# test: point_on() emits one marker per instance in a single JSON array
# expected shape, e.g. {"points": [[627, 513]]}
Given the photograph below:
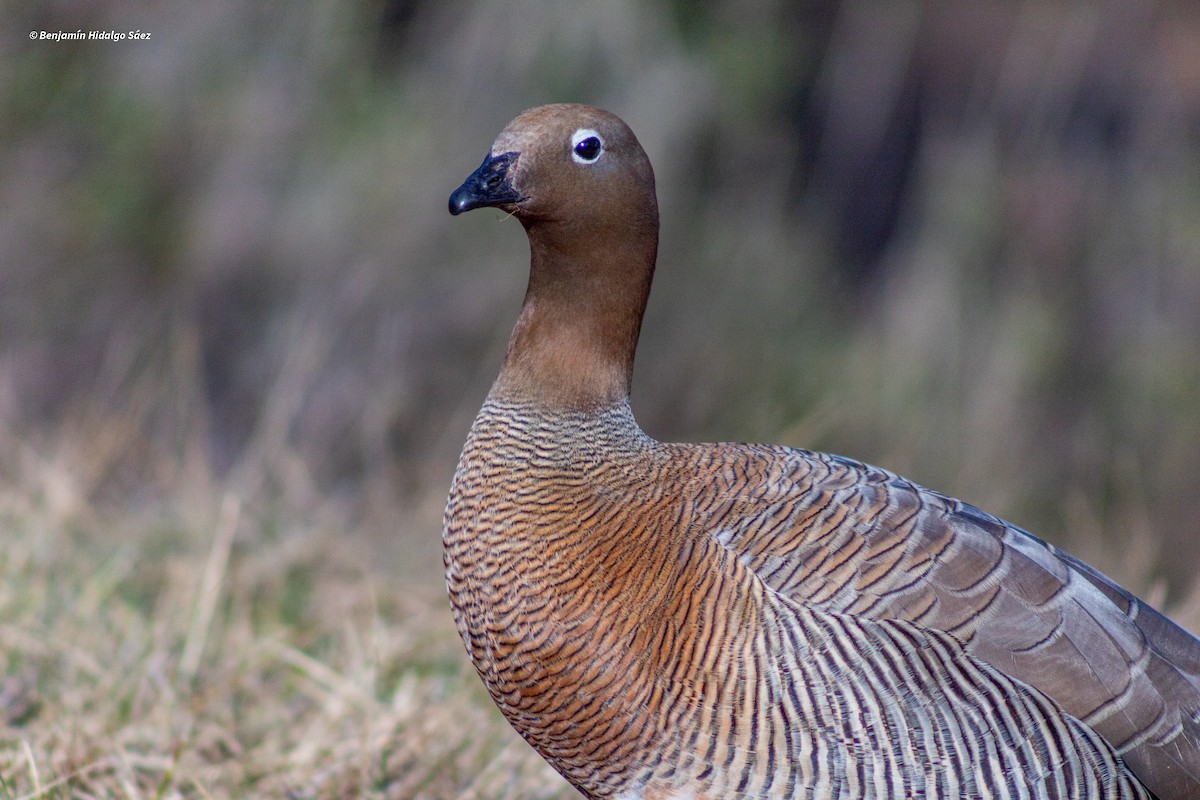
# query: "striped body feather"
{"points": [[712, 621]]}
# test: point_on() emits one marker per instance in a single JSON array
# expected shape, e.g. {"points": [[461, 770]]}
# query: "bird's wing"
{"points": [[838, 534]]}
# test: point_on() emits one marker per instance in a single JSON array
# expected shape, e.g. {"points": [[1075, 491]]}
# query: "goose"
{"points": [[665, 621]]}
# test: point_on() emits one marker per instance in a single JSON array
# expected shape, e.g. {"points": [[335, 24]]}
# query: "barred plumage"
{"points": [[711, 621]]}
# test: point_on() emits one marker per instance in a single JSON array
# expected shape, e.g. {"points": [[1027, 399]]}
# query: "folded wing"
{"points": [[840, 535]]}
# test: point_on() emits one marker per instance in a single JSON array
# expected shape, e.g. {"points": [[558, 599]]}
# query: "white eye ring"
{"points": [[586, 146]]}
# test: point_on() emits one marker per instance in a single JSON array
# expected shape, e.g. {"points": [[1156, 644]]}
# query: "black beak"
{"points": [[488, 186]]}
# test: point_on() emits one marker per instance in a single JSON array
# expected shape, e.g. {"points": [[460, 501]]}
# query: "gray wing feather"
{"points": [[840, 535]]}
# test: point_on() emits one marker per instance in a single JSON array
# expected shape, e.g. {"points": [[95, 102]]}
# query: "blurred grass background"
{"points": [[961, 241]]}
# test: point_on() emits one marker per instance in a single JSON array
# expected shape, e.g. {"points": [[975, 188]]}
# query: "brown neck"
{"points": [[574, 341]]}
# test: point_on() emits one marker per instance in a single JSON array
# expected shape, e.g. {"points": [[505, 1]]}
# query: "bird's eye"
{"points": [[586, 146], [589, 149]]}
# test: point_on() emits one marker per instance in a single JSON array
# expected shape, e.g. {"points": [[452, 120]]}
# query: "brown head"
{"points": [[581, 185]]}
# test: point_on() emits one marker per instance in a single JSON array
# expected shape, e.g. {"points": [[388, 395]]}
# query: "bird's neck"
{"points": [[574, 341]]}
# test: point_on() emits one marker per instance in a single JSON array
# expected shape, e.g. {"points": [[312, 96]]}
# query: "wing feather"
{"points": [[840, 535]]}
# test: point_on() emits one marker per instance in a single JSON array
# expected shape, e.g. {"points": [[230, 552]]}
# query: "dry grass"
{"points": [[219, 650], [215, 646]]}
